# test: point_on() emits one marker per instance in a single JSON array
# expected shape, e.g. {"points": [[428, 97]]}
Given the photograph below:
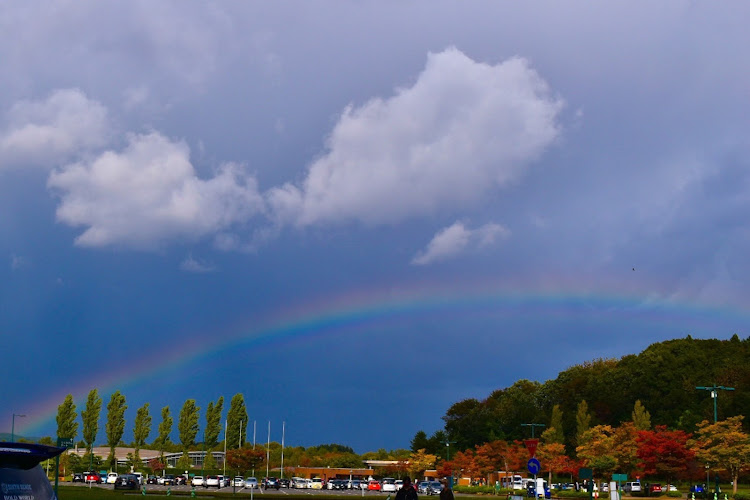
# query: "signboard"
{"points": [[65, 442], [534, 466], [531, 446], [584, 473], [620, 477]]}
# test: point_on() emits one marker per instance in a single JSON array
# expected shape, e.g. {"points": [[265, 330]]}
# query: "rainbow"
{"points": [[370, 309]]}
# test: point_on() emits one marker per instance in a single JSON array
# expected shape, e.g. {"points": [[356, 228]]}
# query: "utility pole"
{"points": [[532, 428], [715, 396]]}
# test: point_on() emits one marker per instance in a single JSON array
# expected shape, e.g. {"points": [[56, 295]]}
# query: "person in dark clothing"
{"points": [[407, 491], [446, 493]]}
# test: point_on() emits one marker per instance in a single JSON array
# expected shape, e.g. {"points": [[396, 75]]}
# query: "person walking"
{"points": [[407, 491], [446, 493]]}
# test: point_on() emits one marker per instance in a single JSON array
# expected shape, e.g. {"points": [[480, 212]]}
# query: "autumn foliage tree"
{"points": [[723, 445], [245, 459], [664, 453]]}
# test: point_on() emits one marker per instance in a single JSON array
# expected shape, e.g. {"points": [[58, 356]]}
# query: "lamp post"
{"points": [[715, 396], [448, 458], [13, 427], [532, 428]]}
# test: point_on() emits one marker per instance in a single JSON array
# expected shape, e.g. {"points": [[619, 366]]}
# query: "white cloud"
{"points": [[18, 262], [463, 128], [50, 132], [149, 193], [196, 266], [456, 239]]}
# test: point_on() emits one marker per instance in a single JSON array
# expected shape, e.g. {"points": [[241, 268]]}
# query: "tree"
{"points": [[209, 462], [641, 418], [664, 453], [236, 422], [597, 449], [213, 423], [156, 465], [67, 427], [554, 432], [625, 447], [420, 462], [583, 420], [419, 441], [187, 424], [165, 429], [245, 459], [723, 445], [553, 458], [115, 426], [90, 418], [141, 431]]}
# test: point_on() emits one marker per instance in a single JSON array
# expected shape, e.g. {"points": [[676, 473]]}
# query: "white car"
{"points": [[251, 482], [212, 481], [399, 484], [388, 485], [196, 481], [316, 483], [224, 481], [238, 482], [299, 482], [112, 478]]}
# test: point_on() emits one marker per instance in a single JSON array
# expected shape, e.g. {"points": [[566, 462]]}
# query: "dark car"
{"points": [[180, 480], [78, 477], [272, 482], [284, 483], [169, 479], [21, 476], [127, 482], [152, 480]]}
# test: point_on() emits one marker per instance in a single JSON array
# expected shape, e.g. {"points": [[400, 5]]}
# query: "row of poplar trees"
{"points": [[187, 424]]}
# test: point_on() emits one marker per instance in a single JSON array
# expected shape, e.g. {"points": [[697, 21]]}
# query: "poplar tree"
{"points": [[165, 429], [141, 430], [236, 422], [90, 418], [641, 417], [213, 423], [67, 427], [583, 420], [554, 433], [115, 424], [187, 425]]}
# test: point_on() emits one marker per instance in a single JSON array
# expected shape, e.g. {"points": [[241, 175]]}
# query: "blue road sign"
{"points": [[534, 466]]}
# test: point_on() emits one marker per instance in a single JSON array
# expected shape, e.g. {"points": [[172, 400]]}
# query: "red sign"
{"points": [[531, 445]]}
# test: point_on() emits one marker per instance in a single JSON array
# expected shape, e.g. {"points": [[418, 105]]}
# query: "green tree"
{"points": [[115, 426], [67, 427], [165, 429], [724, 445], [90, 418], [187, 425], [209, 463], [641, 417], [583, 420], [419, 442], [213, 423], [141, 431], [236, 422], [554, 432]]}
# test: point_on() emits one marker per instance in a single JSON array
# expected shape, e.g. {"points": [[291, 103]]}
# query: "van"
{"points": [[632, 487]]}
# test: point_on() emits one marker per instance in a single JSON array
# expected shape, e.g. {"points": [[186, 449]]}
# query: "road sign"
{"points": [[534, 466], [584, 473], [531, 446], [620, 477], [65, 442]]}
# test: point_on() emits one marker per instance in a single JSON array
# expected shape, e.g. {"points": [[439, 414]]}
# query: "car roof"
{"points": [[26, 455]]}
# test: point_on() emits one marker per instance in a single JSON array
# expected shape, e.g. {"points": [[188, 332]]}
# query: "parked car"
{"points": [[388, 485], [251, 482], [78, 477], [422, 487], [373, 485], [127, 482], [212, 481], [298, 482], [152, 480], [399, 484], [316, 483], [196, 481], [238, 482], [434, 487], [169, 480], [631, 487], [284, 482], [272, 482], [21, 474], [354, 485], [180, 479], [653, 489], [111, 477]]}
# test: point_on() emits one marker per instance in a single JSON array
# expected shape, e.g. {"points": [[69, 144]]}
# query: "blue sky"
{"points": [[359, 213]]}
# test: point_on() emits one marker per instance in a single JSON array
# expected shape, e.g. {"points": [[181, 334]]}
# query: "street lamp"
{"points": [[448, 458], [532, 428], [13, 427], [715, 396]]}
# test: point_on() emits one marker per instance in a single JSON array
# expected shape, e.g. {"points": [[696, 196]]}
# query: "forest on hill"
{"points": [[663, 378]]}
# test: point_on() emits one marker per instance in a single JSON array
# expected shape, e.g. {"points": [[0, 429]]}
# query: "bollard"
{"points": [[169, 491], [143, 490], [192, 492]]}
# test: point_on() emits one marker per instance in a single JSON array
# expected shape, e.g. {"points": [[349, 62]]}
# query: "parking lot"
{"points": [[152, 488]]}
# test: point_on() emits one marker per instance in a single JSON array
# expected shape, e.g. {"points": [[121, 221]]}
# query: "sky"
{"points": [[359, 213]]}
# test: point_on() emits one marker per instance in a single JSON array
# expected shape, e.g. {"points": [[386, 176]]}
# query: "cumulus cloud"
{"points": [[149, 193], [456, 239], [50, 132], [193, 265], [461, 129]]}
